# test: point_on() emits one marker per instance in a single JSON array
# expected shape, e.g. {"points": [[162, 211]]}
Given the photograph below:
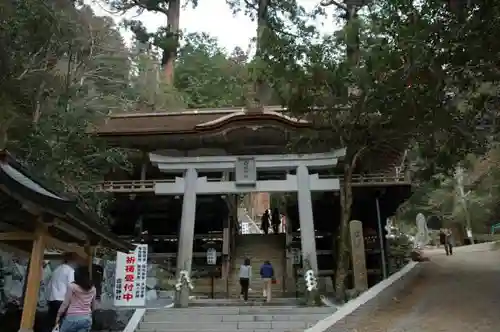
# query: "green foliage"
{"points": [[396, 75], [443, 198], [167, 37], [63, 69], [164, 38], [399, 251], [149, 90], [207, 76]]}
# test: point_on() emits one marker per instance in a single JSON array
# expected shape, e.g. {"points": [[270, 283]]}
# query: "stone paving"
{"points": [[459, 293], [233, 318]]}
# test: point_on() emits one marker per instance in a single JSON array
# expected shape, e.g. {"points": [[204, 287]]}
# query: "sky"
{"points": [[213, 17]]}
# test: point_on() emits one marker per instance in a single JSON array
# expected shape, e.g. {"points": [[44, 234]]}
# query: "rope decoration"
{"points": [[184, 279], [311, 282]]}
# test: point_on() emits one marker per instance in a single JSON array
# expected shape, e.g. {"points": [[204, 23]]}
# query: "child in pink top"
{"points": [[78, 304]]}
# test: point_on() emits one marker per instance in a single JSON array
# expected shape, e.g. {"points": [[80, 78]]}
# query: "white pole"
{"points": [[460, 183], [381, 240]]}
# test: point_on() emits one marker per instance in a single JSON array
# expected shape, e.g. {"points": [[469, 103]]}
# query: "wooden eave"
{"points": [[194, 122], [46, 206], [14, 180]]}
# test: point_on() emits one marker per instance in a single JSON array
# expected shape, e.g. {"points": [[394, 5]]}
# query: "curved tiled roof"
{"points": [[191, 121]]}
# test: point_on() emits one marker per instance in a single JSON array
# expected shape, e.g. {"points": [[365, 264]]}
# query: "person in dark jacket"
{"points": [[276, 220], [445, 238], [267, 275], [449, 241], [264, 222]]}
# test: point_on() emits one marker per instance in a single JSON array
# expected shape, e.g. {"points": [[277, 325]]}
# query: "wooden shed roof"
{"points": [[25, 200]]}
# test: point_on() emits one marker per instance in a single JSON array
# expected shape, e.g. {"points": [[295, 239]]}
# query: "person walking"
{"points": [[445, 238], [267, 275], [78, 305], [276, 220], [449, 242], [58, 285], [245, 278], [264, 222]]}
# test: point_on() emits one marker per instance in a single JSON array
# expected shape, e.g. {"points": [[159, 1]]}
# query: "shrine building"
{"points": [[194, 169]]}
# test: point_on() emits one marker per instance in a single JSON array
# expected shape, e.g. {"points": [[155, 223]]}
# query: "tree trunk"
{"points": [[260, 91], [3, 136], [5, 124], [37, 113], [169, 55], [342, 252], [342, 248]]}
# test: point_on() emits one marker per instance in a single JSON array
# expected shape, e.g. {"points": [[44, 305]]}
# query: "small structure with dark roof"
{"points": [[35, 220]]}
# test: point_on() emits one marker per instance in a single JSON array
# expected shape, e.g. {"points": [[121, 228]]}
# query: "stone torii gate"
{"points": [[246, 168]]}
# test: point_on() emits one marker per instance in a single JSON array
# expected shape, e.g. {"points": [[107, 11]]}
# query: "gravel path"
{"points": [[459, 293]]}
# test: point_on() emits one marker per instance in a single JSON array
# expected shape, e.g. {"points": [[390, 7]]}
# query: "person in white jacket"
{"points": [[245, 278], [58, 285]]}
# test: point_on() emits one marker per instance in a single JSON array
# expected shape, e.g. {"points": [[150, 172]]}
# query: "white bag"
{"points": [[56, 329], [264, 294]]}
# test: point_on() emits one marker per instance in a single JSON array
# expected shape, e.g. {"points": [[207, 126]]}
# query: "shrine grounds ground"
{"points": [[459, 293]]}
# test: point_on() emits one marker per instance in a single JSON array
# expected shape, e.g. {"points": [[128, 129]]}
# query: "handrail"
{"points": [[364, 176], [143, 186]]}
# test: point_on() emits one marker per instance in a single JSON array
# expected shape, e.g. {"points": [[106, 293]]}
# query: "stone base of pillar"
{"points": [[290, 286], [182, 298], [325, 285], [290, 282]]}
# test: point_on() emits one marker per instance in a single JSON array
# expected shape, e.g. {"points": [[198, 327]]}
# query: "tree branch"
{"points": [[326, 3]]}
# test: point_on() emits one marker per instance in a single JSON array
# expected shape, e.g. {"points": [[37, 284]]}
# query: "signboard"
{"points": [[246, 171], [245, 228], [211, 256], [130, 277], [297, 256]]}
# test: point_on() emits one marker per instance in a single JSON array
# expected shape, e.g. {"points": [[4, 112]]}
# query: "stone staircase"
{"points": [[258, 247], [231, 319]]}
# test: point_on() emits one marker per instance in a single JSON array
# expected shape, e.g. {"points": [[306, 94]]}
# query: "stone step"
{"points": [[255, 263], [256, 291], [269, 251], [258, 248], [276, 301], [194, 324], [198, 324], [167, 329], [256, 283], [255, 310], [185, 318], [257, 258]]}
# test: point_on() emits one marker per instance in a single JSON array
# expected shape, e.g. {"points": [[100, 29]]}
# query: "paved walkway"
{"points": [[459, 293]]}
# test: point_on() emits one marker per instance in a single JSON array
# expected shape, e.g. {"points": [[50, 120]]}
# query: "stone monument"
{"points": [[422, 237], [358, 256]]}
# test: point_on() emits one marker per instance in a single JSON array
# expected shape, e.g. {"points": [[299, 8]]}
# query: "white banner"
{"points": [[130, 277]]}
